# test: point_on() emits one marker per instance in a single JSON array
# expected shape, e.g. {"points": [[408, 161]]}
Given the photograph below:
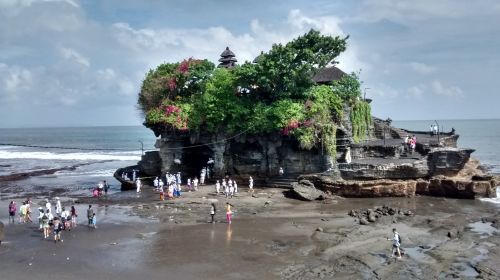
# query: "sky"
{"points": [[81, 63]]}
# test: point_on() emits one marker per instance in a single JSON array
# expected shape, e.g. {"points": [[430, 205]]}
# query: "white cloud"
{"points": [[15, 78], [75, 56], [450, 91], [421, 68]]}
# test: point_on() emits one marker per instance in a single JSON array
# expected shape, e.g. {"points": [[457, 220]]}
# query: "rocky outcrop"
{"points": [[377, 170], [470, 183], [447, 161], [457, 187], [305, 190]]}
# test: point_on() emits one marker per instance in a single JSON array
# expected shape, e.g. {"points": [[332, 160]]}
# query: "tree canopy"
{"points": [[276, 93]]}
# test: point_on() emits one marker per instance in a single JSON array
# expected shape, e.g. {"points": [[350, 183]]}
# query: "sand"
{"points": [[272, 237]]}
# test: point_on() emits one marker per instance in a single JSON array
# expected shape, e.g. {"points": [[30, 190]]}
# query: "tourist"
{"points": [[217, 187], [160, 184], [162, 194], [431, 130], [51, 218], [90, 215], [12, 212], [171, 190], [281, 171], [66, 219], [229, 213], [40, 215], [231, 188], [436, 130], [202, 176], [58, 227], [100, 188], [27, 212], [226, 188], [212, 212], [45, 224], [94, 221], [73, 217], [195, 183], [189, 184], [156, 184], [138, 184], [250, 184], [106, 187], [58, 207], [134, 175], [22, 213], [396, 243]]}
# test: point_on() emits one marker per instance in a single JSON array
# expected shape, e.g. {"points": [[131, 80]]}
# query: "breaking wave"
{"points": [[119, 156]]}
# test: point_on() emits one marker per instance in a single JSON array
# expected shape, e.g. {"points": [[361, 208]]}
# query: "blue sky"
{"points": [[73, 63]]}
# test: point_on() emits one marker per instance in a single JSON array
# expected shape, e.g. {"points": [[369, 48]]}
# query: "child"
{"points": [[58, 227], [229, 212], [212, 213], [45, 224], [94, 221]]}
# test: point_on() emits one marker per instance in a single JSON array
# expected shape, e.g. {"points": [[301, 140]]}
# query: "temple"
{"points": [[227, 59]]}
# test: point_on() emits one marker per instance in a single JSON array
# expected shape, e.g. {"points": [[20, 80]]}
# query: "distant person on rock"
{"points": [[396, 243], [281, 171], [138, 185]]}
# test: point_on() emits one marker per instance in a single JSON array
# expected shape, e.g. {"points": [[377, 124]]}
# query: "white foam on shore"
{"points": [[128, 156], [91, 173], [493, 200]]}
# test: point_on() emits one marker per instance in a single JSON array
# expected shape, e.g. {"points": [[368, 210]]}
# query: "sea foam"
{"points": [[128, 156]]}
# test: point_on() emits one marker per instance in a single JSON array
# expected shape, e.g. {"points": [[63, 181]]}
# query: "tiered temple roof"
{"points": [[227, 59]]}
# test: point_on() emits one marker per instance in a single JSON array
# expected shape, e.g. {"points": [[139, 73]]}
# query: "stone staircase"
{"points": [[281, 181]]}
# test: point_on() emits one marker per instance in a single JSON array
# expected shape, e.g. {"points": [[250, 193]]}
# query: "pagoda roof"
{"points": [[228, 59], [227, 53], [258, 58], [328, 74]]}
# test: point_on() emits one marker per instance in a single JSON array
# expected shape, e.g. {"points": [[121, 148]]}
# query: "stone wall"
{"points": [[258, 155]]}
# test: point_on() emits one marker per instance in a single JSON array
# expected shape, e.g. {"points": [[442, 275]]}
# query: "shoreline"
{"points": [[272, 237]]}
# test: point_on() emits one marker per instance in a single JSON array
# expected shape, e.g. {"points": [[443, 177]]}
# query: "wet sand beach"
{"points": [[272, 237]]}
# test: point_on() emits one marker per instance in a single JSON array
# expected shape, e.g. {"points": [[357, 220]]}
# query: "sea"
{"points": [[96, 152]]}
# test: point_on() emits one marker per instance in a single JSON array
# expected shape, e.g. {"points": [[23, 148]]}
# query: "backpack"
{"points": [[399, 239]]}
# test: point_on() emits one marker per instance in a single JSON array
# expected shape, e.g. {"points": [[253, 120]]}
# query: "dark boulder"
{"points": [[305, 190]]}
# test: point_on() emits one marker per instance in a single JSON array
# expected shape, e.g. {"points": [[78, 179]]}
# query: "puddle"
{"points": [[482, 228], [419, 254]]}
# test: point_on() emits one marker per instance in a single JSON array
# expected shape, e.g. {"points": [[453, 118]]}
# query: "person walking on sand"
{"points": [[106, 187], [156, 184], [73, 216], [217, 187], [58, 207], [396, 243], [58, 227], [40, 215], [45, 224], [229, 213], [90, 215], [195, 183], [22, 213], [250, 184], [212, 212], [94, 221], [138, 184], [12, 212], [235, 186]]}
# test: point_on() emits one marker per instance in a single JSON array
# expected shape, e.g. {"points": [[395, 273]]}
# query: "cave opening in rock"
{"points": [[194, 159]]}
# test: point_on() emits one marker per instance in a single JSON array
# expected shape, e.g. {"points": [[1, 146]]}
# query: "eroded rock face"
{"points": [[471, 186], [447, 161], [369, 188], [305, 190]]}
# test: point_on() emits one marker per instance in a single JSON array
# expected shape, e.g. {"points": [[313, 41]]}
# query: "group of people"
{"points": [[126, 175], [434, 129], [102, 187], [56, 218], [410, 143], [229, 212]]}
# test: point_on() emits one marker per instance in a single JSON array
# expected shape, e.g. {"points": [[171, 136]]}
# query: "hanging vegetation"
{"points": [[275, 94]]}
